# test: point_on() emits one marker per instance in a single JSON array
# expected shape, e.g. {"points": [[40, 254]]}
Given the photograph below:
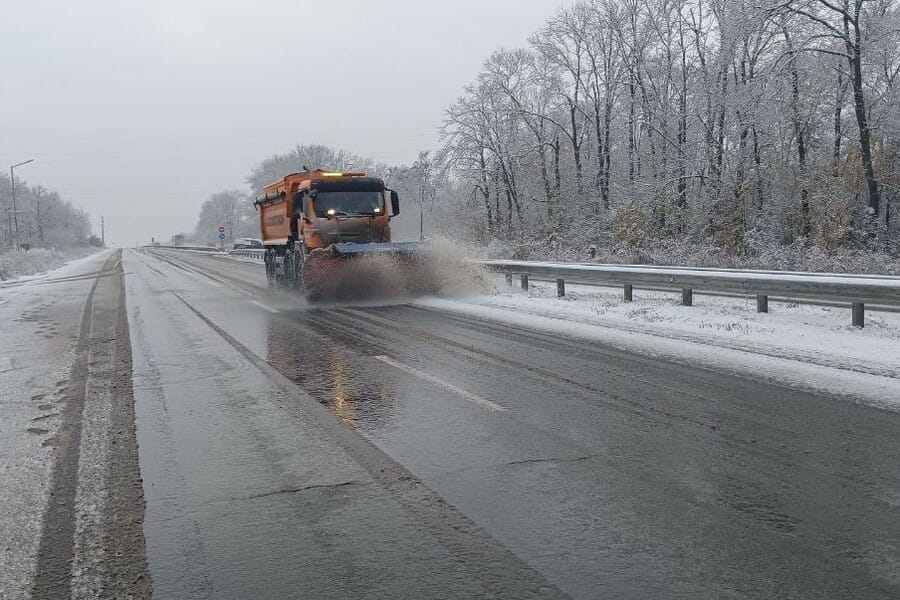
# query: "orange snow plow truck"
{"points": [[315, 223]]}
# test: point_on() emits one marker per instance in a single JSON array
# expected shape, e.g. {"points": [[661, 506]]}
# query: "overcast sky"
{"points": [[140, 110]]}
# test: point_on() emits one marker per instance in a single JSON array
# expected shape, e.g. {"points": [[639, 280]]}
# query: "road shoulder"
{"points": [[92, 543]]}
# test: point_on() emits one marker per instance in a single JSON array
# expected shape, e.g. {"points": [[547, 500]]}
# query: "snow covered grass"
{"points": [[22, 264], [796, 343], [821, 333]]}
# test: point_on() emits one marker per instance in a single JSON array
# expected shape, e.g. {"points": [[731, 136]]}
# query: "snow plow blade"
{"points": [[349, 271], [397, 249]]}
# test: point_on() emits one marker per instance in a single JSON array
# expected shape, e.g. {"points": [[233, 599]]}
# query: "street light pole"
{"points": [[15, 210]]}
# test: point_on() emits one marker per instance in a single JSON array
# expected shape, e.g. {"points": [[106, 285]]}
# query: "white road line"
{"points": [[212, 283], [474, 398], [370, 317], [264, 306]]}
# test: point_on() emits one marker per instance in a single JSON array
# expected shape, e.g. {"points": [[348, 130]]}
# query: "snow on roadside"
{"points": [[41, 319], [811, 346], [21, 265]]}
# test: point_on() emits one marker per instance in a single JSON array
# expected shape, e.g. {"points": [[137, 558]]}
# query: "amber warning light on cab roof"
{"points": [[341, 174]]}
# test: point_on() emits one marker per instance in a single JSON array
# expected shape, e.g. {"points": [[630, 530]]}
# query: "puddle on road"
{"points": [[345, 381]]}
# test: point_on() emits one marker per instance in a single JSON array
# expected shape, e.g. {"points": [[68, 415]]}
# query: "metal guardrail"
{"points": [[181, 247], [857, 290], [251, 252], [257, 253]]}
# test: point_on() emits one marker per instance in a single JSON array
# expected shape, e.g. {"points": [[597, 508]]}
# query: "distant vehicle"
{"points": [[247, 244]]}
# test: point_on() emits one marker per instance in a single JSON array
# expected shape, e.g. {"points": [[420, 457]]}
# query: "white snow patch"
{"points": [[811, 347], [41, 319], [18, 267]]}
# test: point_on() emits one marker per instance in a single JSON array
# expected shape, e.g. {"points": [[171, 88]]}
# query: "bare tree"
{"points": [[845, 21]]}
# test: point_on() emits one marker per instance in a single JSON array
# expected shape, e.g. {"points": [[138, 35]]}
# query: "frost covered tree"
{"points": [[736, 124], [312, 156], [45, 220], [847, 29], [229, 209]]}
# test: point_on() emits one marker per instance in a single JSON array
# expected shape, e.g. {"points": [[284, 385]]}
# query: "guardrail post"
{"points": [[560, 288], [687, 297], [762, 303], [859, 314], [523, 280], [508, 278], [629, 292]]}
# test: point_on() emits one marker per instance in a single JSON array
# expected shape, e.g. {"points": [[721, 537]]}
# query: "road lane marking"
{"points": [[474, 398], [264, 306], [368, 316]]}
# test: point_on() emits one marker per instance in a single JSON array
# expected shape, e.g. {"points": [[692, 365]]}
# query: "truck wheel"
{"points": [[270, 269], [310, 292], [309, 286], [290, 271]]}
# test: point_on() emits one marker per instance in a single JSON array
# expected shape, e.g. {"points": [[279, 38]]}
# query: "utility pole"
{"points": [[15, 211], [15, 216], [102, 231]]}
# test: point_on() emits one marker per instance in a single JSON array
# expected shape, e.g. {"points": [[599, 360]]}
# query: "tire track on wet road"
{"points": [[107, 360]]}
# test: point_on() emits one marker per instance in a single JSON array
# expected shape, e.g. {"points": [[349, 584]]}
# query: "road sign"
{"points": [[222, 236], [221, 230]]}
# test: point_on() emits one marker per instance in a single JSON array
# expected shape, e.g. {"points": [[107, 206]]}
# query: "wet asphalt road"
{"points": [[606, 473]]}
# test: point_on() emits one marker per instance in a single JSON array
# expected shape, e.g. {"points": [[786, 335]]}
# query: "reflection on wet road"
{"points": [[331, 374], [611, 474]]}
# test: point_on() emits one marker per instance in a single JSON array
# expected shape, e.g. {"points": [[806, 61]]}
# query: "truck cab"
{"points": [[321, 208], [323, 212]]}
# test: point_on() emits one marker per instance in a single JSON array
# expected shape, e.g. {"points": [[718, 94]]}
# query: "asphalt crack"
{"points": [[296, 490], [552, 459]]}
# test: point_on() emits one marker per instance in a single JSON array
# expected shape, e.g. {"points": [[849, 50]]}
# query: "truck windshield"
{"points": [[351, 203]]}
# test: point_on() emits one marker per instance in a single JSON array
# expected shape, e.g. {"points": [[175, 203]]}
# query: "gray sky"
{"points": [[138, 110]]}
